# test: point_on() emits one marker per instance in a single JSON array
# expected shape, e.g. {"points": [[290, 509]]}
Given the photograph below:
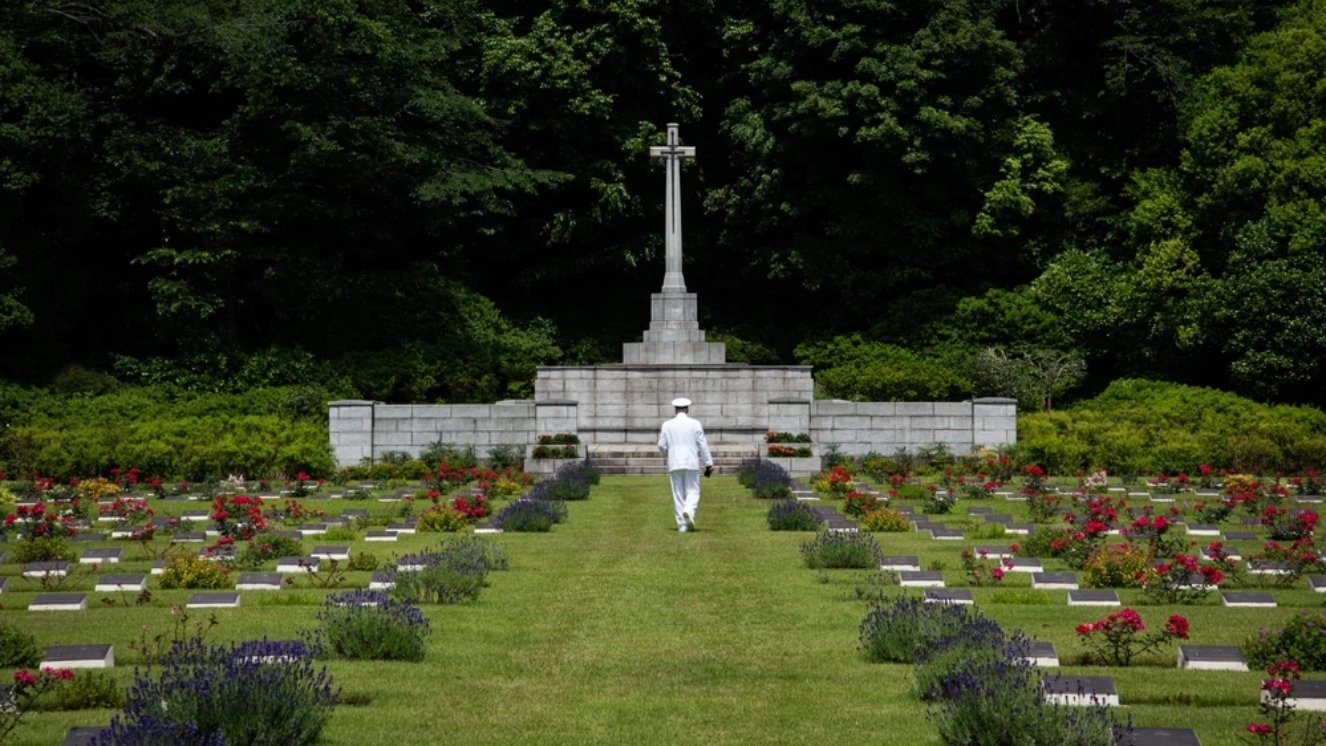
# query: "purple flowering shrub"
{"points": [[453, 573], [530, 515], [369, 625], [765, 479], [1302, 639], [244, 693], [792, 515], [842, 549]]}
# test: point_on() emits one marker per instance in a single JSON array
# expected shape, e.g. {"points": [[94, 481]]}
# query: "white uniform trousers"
{"points": [[685, 493]]}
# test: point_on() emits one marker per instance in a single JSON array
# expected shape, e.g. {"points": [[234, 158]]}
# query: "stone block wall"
{"points": [[365, 429], [885, 427], [628, 403]]}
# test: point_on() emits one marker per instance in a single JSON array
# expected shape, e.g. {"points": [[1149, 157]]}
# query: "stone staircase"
{"points": [[632, 458]]}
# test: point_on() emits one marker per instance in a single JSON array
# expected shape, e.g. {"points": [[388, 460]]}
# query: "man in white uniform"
{"points": [[682, 439]]}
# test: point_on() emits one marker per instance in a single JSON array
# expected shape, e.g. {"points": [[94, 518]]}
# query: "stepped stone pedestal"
{"points": [[674, 335]]}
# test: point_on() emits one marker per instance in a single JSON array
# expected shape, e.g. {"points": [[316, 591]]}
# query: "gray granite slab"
{"points": [[1212, 658], [1255, 599], [1240, 536], [921, 579], [58, 602], [1124, 736], [213, 601], [89, 538], [1080, 690], [1054, 581], [948, 595], [123, 582], [82, 735], [1093, 598], [96, 556], [899, 563], [260, 581], [79, 656]]}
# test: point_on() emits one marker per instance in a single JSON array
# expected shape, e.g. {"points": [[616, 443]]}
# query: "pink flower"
{"points": [[23, 678], [1261, 729]]}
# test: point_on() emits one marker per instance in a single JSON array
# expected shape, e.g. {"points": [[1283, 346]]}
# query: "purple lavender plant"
{"points": [[530, 515], [791, 515], [369, 625], [195, 695], [841, 549], [453, 573]]}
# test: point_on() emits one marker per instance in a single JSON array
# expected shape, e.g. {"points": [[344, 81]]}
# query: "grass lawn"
{"points": [[615, 629]]}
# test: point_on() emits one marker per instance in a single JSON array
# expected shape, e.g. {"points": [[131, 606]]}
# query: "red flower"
{"points": [[1277, 687], [998, 573], [1085, 629], [1014, 547], [1261, 729], [23, 678], [1177, 626]]}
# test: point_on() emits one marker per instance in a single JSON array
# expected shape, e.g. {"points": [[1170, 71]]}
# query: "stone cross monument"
{"points": [[674, 334], [672, 153]]}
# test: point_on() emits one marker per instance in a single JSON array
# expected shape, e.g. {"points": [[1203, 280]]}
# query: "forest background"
{"points": [[421, 200]]}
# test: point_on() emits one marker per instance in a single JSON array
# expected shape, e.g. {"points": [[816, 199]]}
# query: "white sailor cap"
{"points": [[682, 402]]}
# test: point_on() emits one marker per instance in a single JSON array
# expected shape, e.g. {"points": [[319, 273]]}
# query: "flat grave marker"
{"points": [[218, 554], [993, 550], [1024, 564], [921, 579], [902, 563], [313, 529], [1247, 599], [401, 528], [125, 582], [1317, 583], [1268, 568], [1054, 581], [485, 528], [380, 536], [98, 556], [187, 537], [1212, 658], [1093, 598], [354, 513], [338, 553], [1155, 736], [260, 581], [1240, 536], [90, 537], [82, 735], [59, 602], [1203, 529], [382, 581], [297, 564], [1021, 529], [946, 534], [1043, 654], [57, 569], [1304, 694], [949, 596], [1080, 690], [213, 601], [79, 656]]}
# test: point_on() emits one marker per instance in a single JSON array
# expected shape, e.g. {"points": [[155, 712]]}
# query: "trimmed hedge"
{"points": [[173, 436], [1148, 427]]}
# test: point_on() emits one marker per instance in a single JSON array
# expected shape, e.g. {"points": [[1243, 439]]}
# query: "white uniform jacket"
{"points": [[682, 439]]}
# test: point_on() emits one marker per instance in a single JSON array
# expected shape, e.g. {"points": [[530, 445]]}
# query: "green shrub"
{"points": [[17, 648], [1149, 427], [339, 533], [885, 520], [89, 690], [195, 573], [1300, 640], [165, 434], [1116, 566], [362, 562], [442, 518], [841, 549], [265, 547], [453, 573], [849, 367], [450, 454], [43, 549], [792, 515]]}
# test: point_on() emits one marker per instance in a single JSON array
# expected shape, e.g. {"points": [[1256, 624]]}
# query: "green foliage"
{"points": [[442, 519], [89, 690], [455, 456], [1148, 427], [367, 625], [186, 436], [43, 549], [265, 547], [195, 573], [886, 520], [1300, 640], [852, 368], [1116, 566], [17, 648]]}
